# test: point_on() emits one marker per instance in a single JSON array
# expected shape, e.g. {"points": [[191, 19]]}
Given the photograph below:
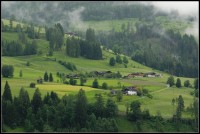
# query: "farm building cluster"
{"points": [[127, 91], [140, 74]]}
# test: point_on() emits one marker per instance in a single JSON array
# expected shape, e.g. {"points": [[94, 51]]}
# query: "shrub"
{"points": [[7, 71], [105, 85], [27, 63], [32, 85]]}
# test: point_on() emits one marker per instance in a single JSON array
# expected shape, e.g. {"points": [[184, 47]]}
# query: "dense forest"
{"points": [[94, 10], [166, 51], [73, 113]]}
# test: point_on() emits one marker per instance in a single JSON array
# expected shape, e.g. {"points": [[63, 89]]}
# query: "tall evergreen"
{"points": [[81, 108], [112, 61], [7, 93], [170, 81], [118, 59], [178, 83], [46, 78], [95, 83], [99, 106], [50, 77], [36, 101]]}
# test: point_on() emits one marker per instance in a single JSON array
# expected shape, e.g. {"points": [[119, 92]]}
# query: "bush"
{"points": [[66, 82], [32, 85], [95, 84], [150, 96], [27, 63], [105, 85], [7, 71]]}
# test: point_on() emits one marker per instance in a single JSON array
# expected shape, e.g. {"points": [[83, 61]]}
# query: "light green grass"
{"points": [[7, 22]]}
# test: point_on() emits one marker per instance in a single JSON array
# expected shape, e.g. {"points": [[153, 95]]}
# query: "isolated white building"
{"points": [[132, 93]]}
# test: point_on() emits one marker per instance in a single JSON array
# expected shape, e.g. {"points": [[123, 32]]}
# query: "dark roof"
{"points": [[150, 73], [129, 89]]}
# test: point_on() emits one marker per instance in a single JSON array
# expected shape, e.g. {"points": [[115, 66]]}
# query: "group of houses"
{"points": [[140, 74], [127, 91]]}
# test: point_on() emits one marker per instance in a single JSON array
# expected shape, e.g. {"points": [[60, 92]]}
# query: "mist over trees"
{"points": [[170, 52]]}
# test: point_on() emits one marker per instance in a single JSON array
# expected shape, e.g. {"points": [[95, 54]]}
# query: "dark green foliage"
{"points": [[12, 48], [81, 109], [32, 85], [111, 108], [170, 81], [55, 36], [8, 113], [31, 49], [68, 65], [180, 107], [119, 95], [178, 83], [113, 75], [31, 32], [22, 105], [125, 60], [95, 84], [73, 47], [187, 83], [27, 63], [118, 59], [90, 35], [22, 37], [82, 80], [135, 111], [7, 71], [20, 73], [88, 48], [46, 77], [112, 61], [99, 107], [104, 85], [178, 116], [180, 59], [72, 81], [91, 50], [196, 83], [50, 77], [7, 96], [36, 102]]}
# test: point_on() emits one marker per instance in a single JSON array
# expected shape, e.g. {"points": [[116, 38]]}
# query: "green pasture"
{"points": [[7, 22]]}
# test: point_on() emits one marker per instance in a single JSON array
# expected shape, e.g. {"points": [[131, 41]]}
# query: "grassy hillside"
{"points": [[165, 22], [40, 63], [162, 96]]}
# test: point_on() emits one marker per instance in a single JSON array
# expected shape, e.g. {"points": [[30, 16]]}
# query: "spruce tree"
{"points": [[112, 61], [178, 83], [118, 59], [170, 81], [36, 101], [95, 84], [50, 77], [81, 108], [125, 60], [7, 93], [46, 76]]}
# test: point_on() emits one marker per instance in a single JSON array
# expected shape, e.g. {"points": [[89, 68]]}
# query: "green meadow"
{"points": [[162, 95]]}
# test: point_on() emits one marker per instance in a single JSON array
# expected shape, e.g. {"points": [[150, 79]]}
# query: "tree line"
{"points": [[167, 51], [71, 113], [88, 48]]}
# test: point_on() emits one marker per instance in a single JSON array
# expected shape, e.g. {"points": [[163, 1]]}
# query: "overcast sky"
{"points": [[184, 7]]}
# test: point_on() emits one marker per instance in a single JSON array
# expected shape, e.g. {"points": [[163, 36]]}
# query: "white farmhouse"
{"points": [[132, 93]]}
